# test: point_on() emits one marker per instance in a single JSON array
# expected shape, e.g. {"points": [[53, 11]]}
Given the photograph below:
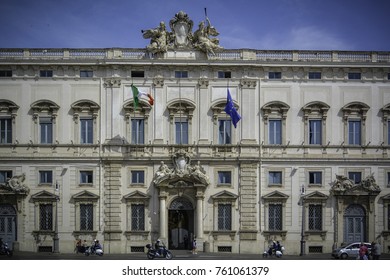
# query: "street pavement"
{"points": [[178, 255]]}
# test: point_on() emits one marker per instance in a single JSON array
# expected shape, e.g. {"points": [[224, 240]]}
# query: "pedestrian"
{"points": [[375, 250], [363, 251], [194, 252]]}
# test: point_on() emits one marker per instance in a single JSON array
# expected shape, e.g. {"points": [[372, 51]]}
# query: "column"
{"points": [[163, 222], [199, 214]]}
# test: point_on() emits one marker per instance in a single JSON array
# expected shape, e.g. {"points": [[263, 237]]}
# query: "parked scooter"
{"points": [[94, 249], [5, 250], [152, 253]]}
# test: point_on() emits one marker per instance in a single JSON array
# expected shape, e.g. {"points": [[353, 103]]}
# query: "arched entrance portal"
{"points": [[180, 224], [354, 223]]}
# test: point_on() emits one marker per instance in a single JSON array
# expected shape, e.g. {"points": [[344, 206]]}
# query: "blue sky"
{"points": [[361, 25]]}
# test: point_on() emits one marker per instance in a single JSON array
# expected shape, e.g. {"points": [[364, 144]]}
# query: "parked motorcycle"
{"points": [[94, 250], [152, 253], [5, 250]]}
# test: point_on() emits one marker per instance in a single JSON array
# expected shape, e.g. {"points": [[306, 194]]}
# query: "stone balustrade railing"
{"points": [[240, 54]]}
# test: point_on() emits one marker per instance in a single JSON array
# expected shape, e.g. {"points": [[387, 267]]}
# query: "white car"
{"points": [[349, 251]]}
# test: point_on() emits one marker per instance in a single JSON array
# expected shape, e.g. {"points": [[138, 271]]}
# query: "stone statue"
{"points": [[342, 183], [16, 184], [369, 183], [202, 40], [199, 173], [181, 36], [162, 173], [159, 38]]}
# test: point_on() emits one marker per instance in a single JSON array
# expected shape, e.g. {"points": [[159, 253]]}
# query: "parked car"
{"points": [[349, 251]]}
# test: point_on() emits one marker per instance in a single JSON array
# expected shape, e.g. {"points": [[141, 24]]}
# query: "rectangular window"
{"points": [[315, 132], [275, 178], [355, 177], [86, 217], [388, 179], [137, 217], [388, 132], [275, 217], [224, 132], [314, 75], [45, 177], [137, 177], [137, 74], [137, 131], [46, 216], [224, 177], [5, 175], [354, 76], [5, 131], [181, 74], [86, 73], [315, 217], [274, 75], [224, 216], [181, 129], [46, 73], [354, 132], [224, 74], [275, 132], [5, 73], [86, 177], [46, 130], [315, 178], [86, 131]]}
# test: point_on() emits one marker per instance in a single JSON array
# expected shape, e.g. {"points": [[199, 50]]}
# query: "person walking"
{"points": [[363, 251], [375, 250], [194, 252]]}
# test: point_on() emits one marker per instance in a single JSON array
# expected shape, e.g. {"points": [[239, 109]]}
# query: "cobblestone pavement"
{"points": [[179, 255]]}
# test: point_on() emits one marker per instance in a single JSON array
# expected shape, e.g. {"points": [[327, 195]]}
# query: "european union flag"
{"points": [[231, 110]]}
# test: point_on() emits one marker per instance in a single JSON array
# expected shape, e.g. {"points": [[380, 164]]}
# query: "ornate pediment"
{"points": [[44, 196], [345, 186], [16, 185], [136, 196], [85, 196], [315, 196], [183, 174], [224, 196], [181, 36], [275, 196]]}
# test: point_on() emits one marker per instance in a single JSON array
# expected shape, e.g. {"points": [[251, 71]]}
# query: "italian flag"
{"points": [[139, 94]]}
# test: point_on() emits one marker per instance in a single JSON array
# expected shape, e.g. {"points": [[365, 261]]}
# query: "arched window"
{"points": [[354, 116], [274, 117], [180, 116], [45, 121], [85, 113], [137, 121], [315, 114]]}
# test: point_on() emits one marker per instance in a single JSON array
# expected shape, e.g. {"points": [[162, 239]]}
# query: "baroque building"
{"points": [[82, 157]]}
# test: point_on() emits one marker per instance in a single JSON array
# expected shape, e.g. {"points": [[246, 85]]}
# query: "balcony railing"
{"points": [[226, 55]]}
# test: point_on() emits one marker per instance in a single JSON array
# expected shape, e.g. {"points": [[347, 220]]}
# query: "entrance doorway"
{"points": [[8, 224], [180, 224], [354, 224]]}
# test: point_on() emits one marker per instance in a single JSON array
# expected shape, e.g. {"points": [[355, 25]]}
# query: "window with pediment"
{"points": [[8, 114], [86, 219], [354, 117], [136, 206], [275, 211], [274, 117], [180, 117], [45, 205], [386, 124], [314, 210], [85, 117], [45, 118], [315, 114], [224, 133], [224, 221], [137, 122]]}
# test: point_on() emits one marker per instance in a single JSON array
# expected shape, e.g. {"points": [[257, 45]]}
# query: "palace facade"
{"points": [[307, 164]]}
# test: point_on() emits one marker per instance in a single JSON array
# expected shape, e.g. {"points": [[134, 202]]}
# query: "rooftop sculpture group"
{"points": [[181, 36]]}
